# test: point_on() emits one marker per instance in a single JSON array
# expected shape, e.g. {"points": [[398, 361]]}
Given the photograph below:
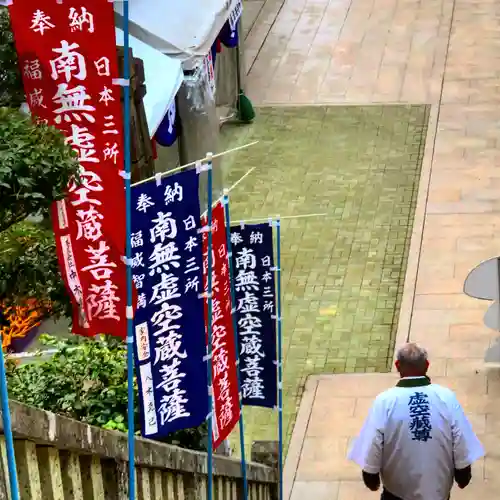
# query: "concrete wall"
{"points": [[59, 458]]}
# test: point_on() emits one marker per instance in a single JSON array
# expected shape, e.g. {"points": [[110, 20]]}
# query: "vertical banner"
{"points": [[224, 375], [254, 284], [169, 320], [68, 61]]}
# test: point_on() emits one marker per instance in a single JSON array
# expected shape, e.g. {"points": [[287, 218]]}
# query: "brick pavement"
{"points": [[441, 52], [342, 272], [358, 51]]}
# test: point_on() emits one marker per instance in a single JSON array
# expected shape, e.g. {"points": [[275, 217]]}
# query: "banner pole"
{"points": [[128, 252], [236, 343], [279, 321], [7, 429], [211, 415]]}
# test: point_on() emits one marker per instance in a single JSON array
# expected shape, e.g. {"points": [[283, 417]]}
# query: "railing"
{"points": [[59, 458]]}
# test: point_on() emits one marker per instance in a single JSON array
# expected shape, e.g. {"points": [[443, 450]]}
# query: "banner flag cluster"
{"points": [[169, 265]]}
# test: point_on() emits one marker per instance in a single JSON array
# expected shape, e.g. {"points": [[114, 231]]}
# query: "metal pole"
{"points": [[7, 430], [128, 252], [209, 330], [236, 343], [279, 356]]}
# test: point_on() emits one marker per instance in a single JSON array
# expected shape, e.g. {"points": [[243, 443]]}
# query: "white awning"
{"points": [[185, 29], [163, 78]]}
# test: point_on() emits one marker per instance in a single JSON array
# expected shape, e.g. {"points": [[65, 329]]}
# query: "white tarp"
{"points": [[163, 78], [185, 29]]}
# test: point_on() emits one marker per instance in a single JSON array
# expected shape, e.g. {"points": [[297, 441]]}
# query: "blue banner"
{"points": [[254, 283], [229, 33], [169, 324], [166, 134]]}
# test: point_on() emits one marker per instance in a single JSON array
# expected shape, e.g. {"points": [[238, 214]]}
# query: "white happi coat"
{"points": [[415, 437]]}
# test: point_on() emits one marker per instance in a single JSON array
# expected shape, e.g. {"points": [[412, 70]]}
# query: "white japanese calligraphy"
{"points": [[189, 223], [106, 96], [252, 386], [191, 243], [70, 63], [41, 22], [111, 152], [163, 256], [138, 280], [173, 406], [164, 227], [173, 194], [88, 224], [138, 260], [102, 301], [246, 281], [32, 70], [79, 19], [142, 301], [89, 182], [72, 104], [166, 290], [144, 202], [109, 124], [36, 98], [102, 67], [82, 141], [136, 239], [248, 303], [192, 284], [169, 347], [246, 259], [164, 318], [256, 237], [100, 267]]}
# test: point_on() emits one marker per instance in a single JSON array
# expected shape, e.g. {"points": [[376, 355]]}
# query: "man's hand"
{"points": [[463, 477], [372, 481]]}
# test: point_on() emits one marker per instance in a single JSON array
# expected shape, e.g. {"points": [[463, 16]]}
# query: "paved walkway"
{"points": [[441, 52], [343, 270]]}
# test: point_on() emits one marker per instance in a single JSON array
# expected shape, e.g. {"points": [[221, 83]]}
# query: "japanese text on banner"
{"points": [[169, 321], [224, 374], [254, 282], [68, 60]]}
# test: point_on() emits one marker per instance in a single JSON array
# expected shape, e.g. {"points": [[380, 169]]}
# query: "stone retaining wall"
{"points": [[59, 458]]}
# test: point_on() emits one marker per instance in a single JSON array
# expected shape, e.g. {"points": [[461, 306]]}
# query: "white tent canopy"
{"points": [[185, 29], [163, 78]]}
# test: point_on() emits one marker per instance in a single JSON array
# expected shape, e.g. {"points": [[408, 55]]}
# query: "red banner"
{"points": [[224, 375], [68, 59]]}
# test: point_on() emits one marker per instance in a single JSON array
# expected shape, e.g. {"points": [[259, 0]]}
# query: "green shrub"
{"points": [[85, 380]]}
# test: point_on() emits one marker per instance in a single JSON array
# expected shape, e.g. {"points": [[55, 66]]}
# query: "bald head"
{"points": [[411, 361]]}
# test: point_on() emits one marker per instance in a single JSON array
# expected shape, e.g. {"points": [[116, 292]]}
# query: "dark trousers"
{"points": [[389, 496]]}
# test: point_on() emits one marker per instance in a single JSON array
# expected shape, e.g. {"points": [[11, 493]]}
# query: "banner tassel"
{"points": [[280, 356], [209, 330], [236, 344]]}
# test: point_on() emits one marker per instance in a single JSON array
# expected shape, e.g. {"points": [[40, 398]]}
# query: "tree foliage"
{"points": [[86, 380], [29, 269], [11, 88], [35, 167]]}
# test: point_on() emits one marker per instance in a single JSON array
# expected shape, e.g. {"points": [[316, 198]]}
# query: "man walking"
{"points": [[416, 439]]}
